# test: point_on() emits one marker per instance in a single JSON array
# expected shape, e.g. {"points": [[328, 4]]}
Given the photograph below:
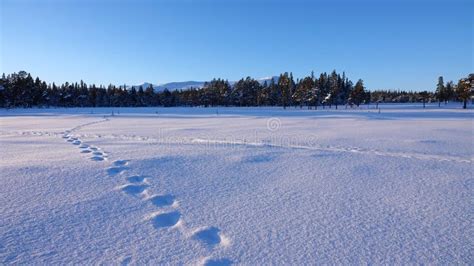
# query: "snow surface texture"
{"points": [[228, 186]]}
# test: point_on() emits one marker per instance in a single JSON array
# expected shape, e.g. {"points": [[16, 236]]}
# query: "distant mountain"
{"points": [[268, 79], [184, 85]]}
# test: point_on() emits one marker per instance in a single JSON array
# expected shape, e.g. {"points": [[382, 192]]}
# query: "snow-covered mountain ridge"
{"points": [[184, 85]]}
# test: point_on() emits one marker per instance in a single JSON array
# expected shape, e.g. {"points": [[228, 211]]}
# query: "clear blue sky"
{"points": [[389, 44]]}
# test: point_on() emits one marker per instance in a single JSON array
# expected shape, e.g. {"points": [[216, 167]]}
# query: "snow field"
{"points": [[199, 188], [137, 186]]}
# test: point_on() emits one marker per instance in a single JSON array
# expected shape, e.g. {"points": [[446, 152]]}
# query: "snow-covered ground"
{"points": [[247, 186]]}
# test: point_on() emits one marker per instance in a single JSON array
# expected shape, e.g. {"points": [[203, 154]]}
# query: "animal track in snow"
{"points": [[138, 186], [136, 179], [217, 262], [167, 219], [115, 170], [121, 162], [210, 236], [162, 200], [134, 188], [97, 158], [126, 261], [263, 158]]}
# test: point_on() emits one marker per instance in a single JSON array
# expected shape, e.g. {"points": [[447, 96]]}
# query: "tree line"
{"points": [[326, 90], [462, 91]]}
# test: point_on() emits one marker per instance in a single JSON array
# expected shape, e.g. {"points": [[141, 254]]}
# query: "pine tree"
{"points": [[140, 97], [424, 95], [303, 93], [247, 91], [323, 86], [299, 96], [149, 96], [93, 94], [357, 94], [440, 91], [284, 86], [449, 92], [166, 99], [3, 97], [313, 92], [464, 91], [37, 93], [132, 98], [264, 94], [274, 93], [334, 89], [291, 89]]}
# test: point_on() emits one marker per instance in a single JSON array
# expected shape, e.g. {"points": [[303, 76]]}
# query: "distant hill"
{"points": [[184, 85]]}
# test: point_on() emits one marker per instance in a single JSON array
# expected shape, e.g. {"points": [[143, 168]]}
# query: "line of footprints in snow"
{"points": [[138, 186]]}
